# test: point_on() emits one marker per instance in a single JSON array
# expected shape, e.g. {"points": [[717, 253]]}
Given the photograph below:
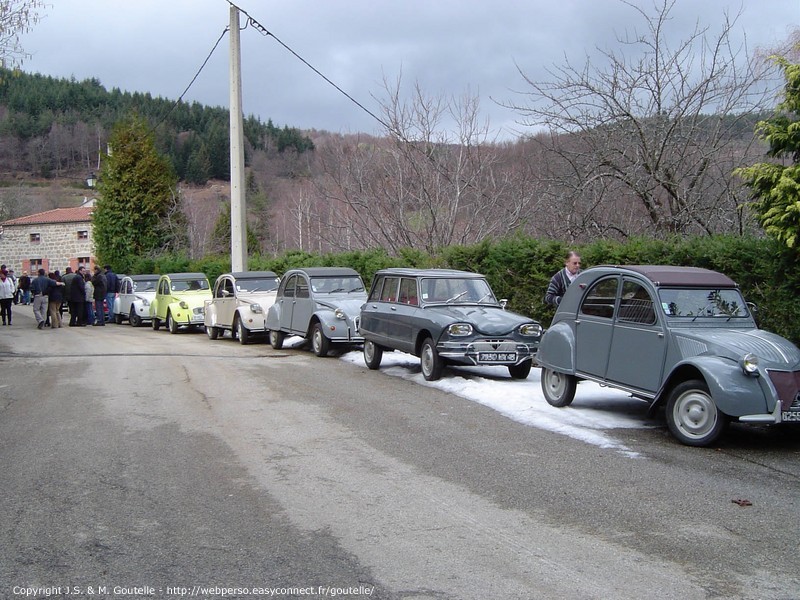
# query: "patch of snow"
{"points": [[595, 408]]}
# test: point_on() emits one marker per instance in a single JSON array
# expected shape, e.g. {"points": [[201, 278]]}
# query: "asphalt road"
{"points": [[142, 464]]}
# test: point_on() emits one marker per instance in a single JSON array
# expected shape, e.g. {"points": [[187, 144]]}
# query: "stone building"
{"points": [[50, 240]]}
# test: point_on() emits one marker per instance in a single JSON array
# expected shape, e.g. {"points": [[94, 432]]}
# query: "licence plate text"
{"points": [[497, 357], [790, 415]]}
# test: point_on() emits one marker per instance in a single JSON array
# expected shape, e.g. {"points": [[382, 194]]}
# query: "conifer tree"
{"points": [[137, 205], [775, 185]]}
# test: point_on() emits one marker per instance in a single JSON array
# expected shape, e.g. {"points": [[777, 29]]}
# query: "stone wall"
{"points": [[59, 245]]}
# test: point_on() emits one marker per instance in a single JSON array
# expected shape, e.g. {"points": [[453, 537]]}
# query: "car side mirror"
{"points": [[752, 307], [503, 303]]}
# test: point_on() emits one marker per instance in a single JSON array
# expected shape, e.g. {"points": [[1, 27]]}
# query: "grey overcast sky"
{"points": [[449, 47]]}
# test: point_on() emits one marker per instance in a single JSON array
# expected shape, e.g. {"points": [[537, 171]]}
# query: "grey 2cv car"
{"points": [[318, 303], [445, 316], [679, 337]]}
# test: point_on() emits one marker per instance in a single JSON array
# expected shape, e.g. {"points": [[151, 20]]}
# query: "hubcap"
{"points": [[427, 360], [369, 350], [695, 414], [555, 384], [317, 340]]}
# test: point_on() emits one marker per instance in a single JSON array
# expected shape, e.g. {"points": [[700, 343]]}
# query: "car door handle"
{"points": [[393, 308]]}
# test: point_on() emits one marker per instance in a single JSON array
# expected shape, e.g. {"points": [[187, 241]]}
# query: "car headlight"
{"points": [[183, 304], [339, 314], [256, 308], [530, 329], [460, 329], [749, 364], [145, 302]]}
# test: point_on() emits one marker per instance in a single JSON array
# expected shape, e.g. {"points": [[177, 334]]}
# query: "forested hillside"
{"points": [[55, 127]]}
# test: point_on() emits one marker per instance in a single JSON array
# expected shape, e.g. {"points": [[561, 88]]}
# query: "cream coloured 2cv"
{"points": [[239, 304]]}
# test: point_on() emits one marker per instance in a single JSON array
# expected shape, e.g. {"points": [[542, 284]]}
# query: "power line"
{"points": [[266, 33], [196, 75]]}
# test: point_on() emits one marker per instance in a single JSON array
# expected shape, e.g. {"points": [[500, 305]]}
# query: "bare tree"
{"points": [[435, 180], [16, 17], [644, 140]]}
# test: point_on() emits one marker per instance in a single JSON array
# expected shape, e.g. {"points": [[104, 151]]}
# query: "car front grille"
{"points": [[787, 385]]}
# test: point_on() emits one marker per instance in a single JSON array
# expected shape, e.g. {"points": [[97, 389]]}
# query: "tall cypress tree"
{"points": [[137, 201]]}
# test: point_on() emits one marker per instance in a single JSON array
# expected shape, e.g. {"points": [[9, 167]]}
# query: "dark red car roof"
{"points": [[668, 275]]}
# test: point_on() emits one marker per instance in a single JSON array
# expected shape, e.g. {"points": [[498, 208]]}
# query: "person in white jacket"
{"points": [[7, 292]]}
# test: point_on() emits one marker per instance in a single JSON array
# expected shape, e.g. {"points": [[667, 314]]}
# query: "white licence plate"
{"points": [[497, 357], [790, 415]]}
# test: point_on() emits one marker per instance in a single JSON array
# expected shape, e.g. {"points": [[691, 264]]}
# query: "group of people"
{"points": [[84, 293]]}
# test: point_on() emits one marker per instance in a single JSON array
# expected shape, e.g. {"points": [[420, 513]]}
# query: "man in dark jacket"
{"points": [[76, 298], [67, 278], [100, 287], [561, 280], [24, 285], [41, 287], [112, 289]]}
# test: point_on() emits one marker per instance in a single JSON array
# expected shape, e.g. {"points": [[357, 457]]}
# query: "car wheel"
{"points": [[172, 325], [276, 339], [134, 319], [692, 416], [520, 371], [242, 332], [372, 355], [431, 362], [156, 323], [212, 332], [558, 388], [319, 343], [118, 319]]}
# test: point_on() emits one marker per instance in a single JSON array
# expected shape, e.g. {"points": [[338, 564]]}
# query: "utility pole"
{"points": [[238, 204]]}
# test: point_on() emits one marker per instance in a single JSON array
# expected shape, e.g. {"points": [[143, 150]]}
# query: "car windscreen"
{"points": [[189, 285], [257, 285], [456, 290], [702, 302], [336, 285], [148, 285]]}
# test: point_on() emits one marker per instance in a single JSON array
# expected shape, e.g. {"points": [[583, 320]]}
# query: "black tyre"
{"points": [[212, 332], [520, 371], [430, 361], [276, 339], [692, 416], [372, 355], [118, 318], [156, 323], [320, 344], [242, 332], [558, 388], [134, 319]]}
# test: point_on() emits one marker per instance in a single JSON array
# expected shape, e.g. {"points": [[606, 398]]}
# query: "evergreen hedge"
{"points": [[520, 268]]}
